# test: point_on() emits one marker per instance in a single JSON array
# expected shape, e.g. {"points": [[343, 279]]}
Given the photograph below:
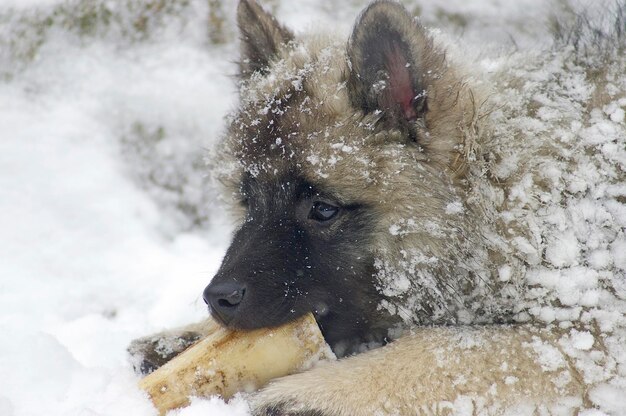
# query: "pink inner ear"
{"points": [[401, 91]]}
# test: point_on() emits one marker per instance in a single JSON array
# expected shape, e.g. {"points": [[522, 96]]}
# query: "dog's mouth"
{"points": [[342, 338], [345, 331], [320, 313]]}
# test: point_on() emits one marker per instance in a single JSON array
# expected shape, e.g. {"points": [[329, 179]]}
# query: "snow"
{"points": [[454, 208], [610, 398], [110, 228], [91, 256], [213, 406]]}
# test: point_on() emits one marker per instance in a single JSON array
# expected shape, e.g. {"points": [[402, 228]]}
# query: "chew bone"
{"points": [[227, 362]]}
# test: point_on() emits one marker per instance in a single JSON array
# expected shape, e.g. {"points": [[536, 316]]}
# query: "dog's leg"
{"points": [[151, 352], [433, 371]]}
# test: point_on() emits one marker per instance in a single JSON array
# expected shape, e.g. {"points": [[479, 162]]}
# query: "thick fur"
{"points": [[459, 200], [433, 371]]}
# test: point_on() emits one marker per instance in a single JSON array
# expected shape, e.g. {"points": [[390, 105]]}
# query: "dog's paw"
{"points": [[151, 352], [286, 409], [291, 396]]}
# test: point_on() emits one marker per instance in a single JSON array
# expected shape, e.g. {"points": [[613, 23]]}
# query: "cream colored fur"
{"points": [[438, 371]]}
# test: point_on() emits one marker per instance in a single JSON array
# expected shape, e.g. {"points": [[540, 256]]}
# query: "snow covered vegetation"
{"points": [[110, 224]]}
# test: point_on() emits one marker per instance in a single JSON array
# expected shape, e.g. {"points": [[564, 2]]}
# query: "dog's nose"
{"points": [[224, 299]]}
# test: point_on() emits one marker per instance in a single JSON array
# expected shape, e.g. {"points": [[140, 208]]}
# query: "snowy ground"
{"points": [[109, 229]]}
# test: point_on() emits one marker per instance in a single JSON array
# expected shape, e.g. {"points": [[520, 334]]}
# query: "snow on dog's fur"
{"points": [[383, 185]]}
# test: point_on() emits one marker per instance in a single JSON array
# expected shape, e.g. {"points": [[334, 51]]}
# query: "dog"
{"points": [[458, 235]]}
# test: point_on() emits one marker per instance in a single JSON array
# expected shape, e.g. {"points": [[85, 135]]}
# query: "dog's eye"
{"points": [[321, 211]]}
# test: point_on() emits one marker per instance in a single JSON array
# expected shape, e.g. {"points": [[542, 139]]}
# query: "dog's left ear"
{"points": [[261, 38], [386, 52]]}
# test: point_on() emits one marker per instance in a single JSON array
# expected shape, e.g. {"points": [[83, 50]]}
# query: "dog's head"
{"points": [[336, 155]]}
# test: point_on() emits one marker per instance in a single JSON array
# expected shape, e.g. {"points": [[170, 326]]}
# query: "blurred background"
{"points": [[110, 226]]}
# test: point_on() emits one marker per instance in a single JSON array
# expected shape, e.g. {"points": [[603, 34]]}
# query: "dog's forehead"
{"points": [[301, 101], [297, 120]]}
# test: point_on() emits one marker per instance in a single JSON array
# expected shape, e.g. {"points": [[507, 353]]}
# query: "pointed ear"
{"points": [[261, 37], [385, 52]]}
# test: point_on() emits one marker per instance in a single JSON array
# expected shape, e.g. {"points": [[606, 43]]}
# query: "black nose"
{"points": [[224, 299]]}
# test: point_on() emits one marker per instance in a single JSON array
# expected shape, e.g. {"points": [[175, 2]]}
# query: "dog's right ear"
{"points": [[261, 38], [386, 52]]}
